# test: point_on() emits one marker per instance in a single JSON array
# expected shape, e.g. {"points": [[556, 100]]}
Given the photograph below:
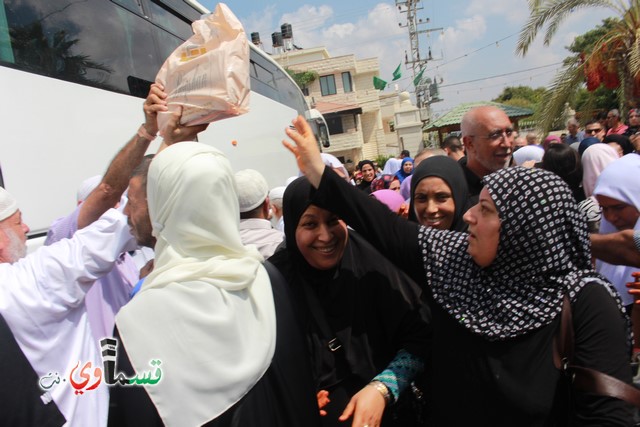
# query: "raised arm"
{"points": [[616, 248], [116, 178], [393, 236]]}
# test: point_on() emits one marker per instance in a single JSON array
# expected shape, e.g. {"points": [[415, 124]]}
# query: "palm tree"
{"points": [[614, 59]]}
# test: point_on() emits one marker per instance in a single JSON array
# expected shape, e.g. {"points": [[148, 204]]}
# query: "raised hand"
{"points": [[155, 103], [305, 149]]}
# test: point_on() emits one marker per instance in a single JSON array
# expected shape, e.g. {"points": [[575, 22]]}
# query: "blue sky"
{"points": [[477, 41]]}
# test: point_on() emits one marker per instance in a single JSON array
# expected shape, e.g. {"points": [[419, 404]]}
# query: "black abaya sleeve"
{"points": [[395, 237]]}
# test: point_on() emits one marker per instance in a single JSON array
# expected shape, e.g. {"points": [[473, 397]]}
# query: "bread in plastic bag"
{"points": [[208, 75]]}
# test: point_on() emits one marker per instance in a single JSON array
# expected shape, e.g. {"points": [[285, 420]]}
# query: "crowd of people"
{"points": [[429, 292]]}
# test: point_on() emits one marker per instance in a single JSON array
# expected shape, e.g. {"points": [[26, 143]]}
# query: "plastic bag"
{"points": [[208, 75]]}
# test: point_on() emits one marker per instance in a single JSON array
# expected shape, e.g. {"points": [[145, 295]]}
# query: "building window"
{"points": [[305, 91], [346, 82], [328, 85], [335, 125]]}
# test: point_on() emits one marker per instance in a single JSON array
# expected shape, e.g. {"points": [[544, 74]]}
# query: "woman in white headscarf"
{"points": [[207, 311], [594, 160], [618, 194]]}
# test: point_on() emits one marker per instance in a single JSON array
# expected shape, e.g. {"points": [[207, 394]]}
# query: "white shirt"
{"points": [[256, 231], [42, 300]]}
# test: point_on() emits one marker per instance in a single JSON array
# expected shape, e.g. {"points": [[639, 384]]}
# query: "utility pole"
{"points": [[425, 89]]}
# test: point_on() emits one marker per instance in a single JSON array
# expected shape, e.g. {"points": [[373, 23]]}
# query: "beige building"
{"points": [[344, 94]]}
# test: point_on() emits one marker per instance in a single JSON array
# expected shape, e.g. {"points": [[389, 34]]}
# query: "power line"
{"points": [[500, 75], [504, 84], [495, 43]]}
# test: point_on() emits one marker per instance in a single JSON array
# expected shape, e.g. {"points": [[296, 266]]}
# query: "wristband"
{"points": [[636, 239], [384, 391], [144, 134]]}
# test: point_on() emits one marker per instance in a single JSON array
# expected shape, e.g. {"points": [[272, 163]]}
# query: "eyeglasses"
{"points": [[592, 131], [496, 135]]}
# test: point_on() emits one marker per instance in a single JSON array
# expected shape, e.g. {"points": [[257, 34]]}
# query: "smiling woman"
{"points": [[366, 335], [439, 194]]}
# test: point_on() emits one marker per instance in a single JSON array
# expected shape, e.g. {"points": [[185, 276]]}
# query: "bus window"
{"points": [[94, 42], [169, 21]]}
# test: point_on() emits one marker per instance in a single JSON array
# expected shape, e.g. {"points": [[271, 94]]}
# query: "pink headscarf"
{"points": [[391, 198], [551, 139], [594, 160]]}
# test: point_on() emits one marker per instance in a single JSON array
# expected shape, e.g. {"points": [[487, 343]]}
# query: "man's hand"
{"points": [[305, 149], [634, 287], [175, 132], [155, 103]]}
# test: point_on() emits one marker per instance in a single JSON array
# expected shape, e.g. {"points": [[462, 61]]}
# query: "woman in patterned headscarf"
{"points": [[496, 296]]}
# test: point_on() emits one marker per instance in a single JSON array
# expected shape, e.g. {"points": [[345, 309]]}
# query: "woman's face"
{"points": [[622, 215], [407, 167], [368, 174], [321, 238], [395, 185], [484, 230], [433, 203]]}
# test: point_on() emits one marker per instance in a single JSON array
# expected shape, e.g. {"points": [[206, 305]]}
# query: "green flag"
{"points": [[416, 81], [378, 83], [397, 73]]}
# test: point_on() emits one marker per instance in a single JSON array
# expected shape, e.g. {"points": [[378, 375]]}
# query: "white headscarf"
{"points": [[594, 160], [528, 152], [619, 181], [207, 310]]}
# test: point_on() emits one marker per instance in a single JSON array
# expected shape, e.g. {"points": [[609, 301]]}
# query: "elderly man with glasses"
{"points": [[488, 137], [616, 127]]}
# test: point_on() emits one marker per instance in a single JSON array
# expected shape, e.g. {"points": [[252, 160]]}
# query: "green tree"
{"points": [[303, 78], [522, 96], [610, 56]]}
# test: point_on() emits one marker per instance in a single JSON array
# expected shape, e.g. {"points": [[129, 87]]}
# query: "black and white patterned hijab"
{"points": [[544, 251]]}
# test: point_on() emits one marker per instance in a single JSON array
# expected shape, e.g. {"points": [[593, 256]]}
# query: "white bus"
{"points": [[73, 75]]}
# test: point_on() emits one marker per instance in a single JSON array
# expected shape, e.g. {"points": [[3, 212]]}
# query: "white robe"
{"points": [[42, 300]]}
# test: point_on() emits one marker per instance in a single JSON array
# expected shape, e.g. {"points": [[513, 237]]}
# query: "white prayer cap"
{"points": [[8, 204], [277, 193], [87, 186], [252, 189], [333, 162], [292, 178]]}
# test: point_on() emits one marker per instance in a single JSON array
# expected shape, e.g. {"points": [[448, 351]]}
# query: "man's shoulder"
{"points": [[474, 182], [255, 224]]}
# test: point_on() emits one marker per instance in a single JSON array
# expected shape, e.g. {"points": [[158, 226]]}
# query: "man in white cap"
{"points": [[42, 294], [255, 227], [46, 329], [275, 197]]}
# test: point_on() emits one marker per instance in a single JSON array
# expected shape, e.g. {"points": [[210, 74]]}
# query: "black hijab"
{"points": [[353, 297], [366, 185], [450, 172], [622, 140]]}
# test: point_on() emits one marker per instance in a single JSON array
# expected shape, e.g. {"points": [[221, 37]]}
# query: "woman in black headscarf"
{"points": [[621, 143], [368, 171], [364, 320], [497, 296], [439, 194]]}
